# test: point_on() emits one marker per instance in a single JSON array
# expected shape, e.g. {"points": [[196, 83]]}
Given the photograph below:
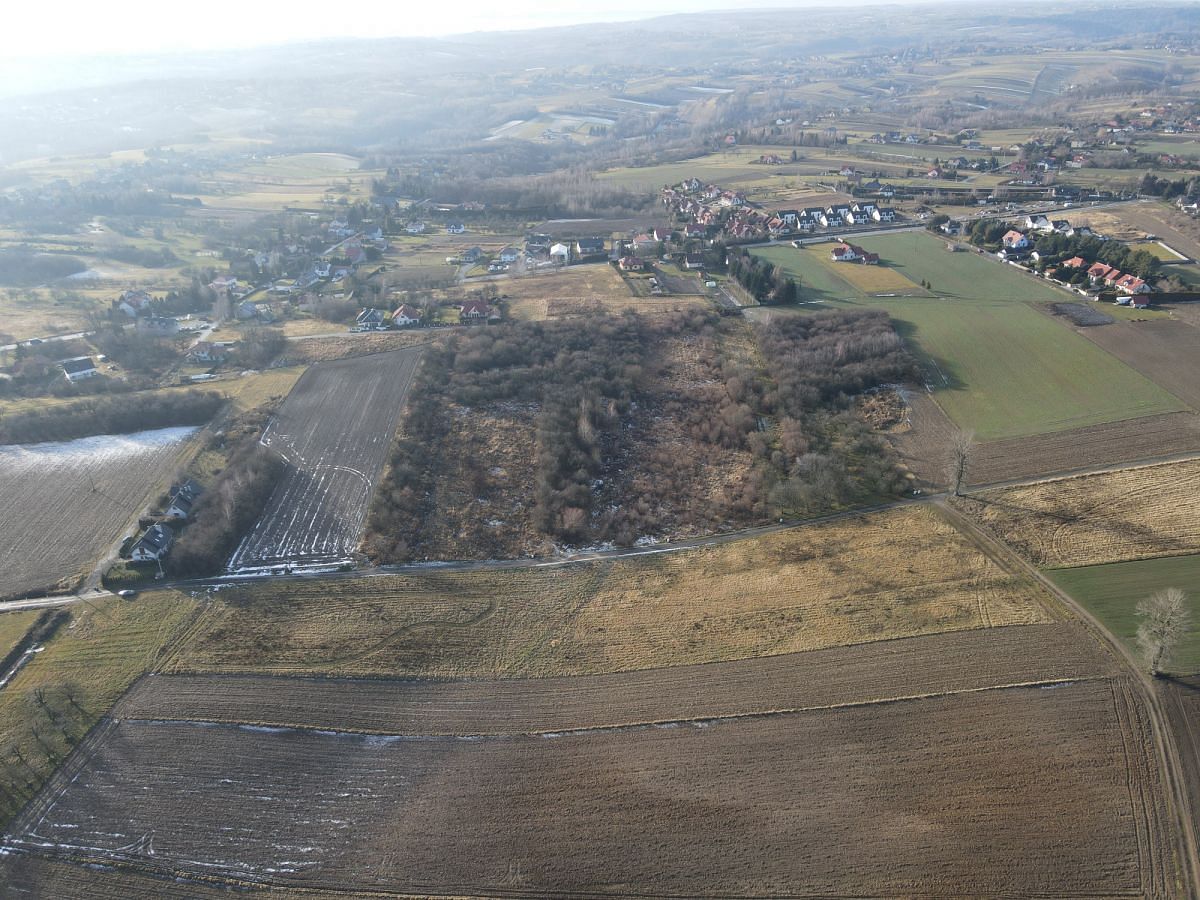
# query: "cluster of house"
{"points": [[1109, 276], [1015, 243], [470, 312], [709, 208], [155, 542], [543, 250]]}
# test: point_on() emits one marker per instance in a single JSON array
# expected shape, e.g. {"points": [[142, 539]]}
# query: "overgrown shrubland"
{"points": [[612, 455]]}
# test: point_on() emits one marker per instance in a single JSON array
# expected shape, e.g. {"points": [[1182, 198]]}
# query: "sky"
{"points": [[85, 27]]}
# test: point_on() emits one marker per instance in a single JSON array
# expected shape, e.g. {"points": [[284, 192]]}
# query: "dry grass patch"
{"points": [[874, 279], [311, 350], [579, 290], [895, 574], [1092, 519]]}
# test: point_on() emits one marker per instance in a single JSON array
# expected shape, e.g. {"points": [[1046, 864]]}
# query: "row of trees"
{"points": [[766, 282], [109, 415], [230, 506]]}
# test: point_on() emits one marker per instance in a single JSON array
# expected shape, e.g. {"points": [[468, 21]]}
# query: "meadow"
{"points": [[1111, 592], [997, 365]]}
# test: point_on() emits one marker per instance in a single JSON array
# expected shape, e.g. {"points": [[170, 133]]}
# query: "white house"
{"points": [[1014, 240], [560, 253], [415, 227], [406, 315], [154, 544], [79, 368]]}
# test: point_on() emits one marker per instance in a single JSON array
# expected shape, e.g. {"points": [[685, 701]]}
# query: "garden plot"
{"points": [[65, 503], [333, 432]]}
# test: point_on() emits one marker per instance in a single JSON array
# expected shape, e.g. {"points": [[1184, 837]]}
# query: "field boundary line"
{"points": [[1043, 683]]}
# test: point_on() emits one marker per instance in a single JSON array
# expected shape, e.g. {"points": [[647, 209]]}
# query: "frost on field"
{"points": [[66, 503]]}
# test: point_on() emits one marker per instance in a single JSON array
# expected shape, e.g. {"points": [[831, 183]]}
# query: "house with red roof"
{"points": [[405, 315], [1014, 240]]}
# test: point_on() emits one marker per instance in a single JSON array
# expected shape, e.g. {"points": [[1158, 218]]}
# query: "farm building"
{"points": [[79, 368], [153, 545]]}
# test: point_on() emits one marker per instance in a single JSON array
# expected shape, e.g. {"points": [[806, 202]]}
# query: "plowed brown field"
{"points": [[1090, 519], [896, 574], [865, 673], [1023, 792], [1165, 351]]}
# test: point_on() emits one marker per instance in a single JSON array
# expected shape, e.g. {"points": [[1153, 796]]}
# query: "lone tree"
{"points": [[1165, 620], [962, 448]]}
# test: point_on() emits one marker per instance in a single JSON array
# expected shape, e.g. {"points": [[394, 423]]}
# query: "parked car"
{"points": [[127, 593]]}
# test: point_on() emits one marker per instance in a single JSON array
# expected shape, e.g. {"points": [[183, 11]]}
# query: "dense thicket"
{"points": [[793, 412], [109, 415], [228, 508], [767, 282]]}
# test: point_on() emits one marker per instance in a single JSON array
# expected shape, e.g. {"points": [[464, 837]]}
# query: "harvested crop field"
{"points": [[1180, 698], [1090, 519], [850, 800], [333, 431], [66, 503], [853, 580], [328, 349], [580, 290], [1164, 351], [864, 673]]}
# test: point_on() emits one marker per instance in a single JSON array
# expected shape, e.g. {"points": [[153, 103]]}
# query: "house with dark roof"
{"points": [[405, 315], [153, 545], [693, 261], [79, 368], [474, 312], [183, 498], [590, 246]]}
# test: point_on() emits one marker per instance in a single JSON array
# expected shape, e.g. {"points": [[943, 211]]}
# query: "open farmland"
{"points": [[333, 431], [837, 800], [853, 580], [1090, 519], [1112, 593], [822, 278], [995, 364], [67, 503], [579, 290], [861, 673], [1164, 351]]}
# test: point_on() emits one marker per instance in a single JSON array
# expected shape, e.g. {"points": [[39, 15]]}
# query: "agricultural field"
{"points": [[1166, 351], [1128, 514], [76, 499], [303, 350], [997, 366], [1112, 592], [821, 801], [861, 673], [852, 580], [821, 278], [86, 665], [333, 431], [1180, 698]]}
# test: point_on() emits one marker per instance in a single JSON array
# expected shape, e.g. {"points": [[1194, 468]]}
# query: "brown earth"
{"points": [[311, 350], [864, 673], [1180, 699], [1023, 792], [1166, 352], [1090, 519]]}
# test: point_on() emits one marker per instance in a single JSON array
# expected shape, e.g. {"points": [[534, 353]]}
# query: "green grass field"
{"points": [[998, 366], [1111, 593]]}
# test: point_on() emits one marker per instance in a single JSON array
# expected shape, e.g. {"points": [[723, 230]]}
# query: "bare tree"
{"points": [[962, 448], [1165, 621]]}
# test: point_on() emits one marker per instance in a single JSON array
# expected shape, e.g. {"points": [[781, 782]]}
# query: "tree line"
{"points": [[766, 282], [109, 415]]}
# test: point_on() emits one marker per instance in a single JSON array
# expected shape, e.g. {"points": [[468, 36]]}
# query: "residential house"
{"points": [[1131, 284], [246, 310], [884, 214], [1038, 223], [1075, 262], [631, 264], [415, 227], [1014, 240], [369, 317], [78, 368], [589, 246], [644, 244], [456, 228], [693, 261], [509, 255], [695, 230], [471, 255], [1099, 272], [224, 283], [183, 498], [133, 303], [560, 254], [405, 315], [153, 545], [207, 351], [474, 312], [661, 233], [853, 253]]}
